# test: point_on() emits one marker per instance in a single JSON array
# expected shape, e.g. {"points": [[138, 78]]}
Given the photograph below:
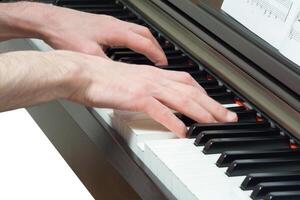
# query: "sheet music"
{"points": [[272, 20], [291, 47]]}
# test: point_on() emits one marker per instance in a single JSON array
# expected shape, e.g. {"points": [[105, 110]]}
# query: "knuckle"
{"points": [[187, 77], [145, 30]]}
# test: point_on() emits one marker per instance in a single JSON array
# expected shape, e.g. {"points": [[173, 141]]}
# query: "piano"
{"points": [[126, 155]]}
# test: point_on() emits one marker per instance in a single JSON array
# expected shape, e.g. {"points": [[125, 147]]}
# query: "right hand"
{"points": [[99, 82]]}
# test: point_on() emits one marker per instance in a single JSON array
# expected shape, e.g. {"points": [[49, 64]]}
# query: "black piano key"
{"points": [[208, 83], [205, 136], [229, 156], [131, 54], [172, 60], [134, 20], [244, 167], [223, 98], [237, 109], [138, 60], [199, 75], [220, 145], [186, 120], [106, 11], [93, 6], [254, 179], [195, 129], [184, 68], [283, 195], [246, 115], [112, 50], [87, 3], [262, 189], [125, 17], [216, 90]]}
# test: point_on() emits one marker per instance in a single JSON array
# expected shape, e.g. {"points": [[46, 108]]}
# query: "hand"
{"points": [[104, 83], [68, 29], [99, 82]]}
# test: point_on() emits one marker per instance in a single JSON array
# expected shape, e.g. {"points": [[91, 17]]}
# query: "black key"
{"points": [[108, 11], [186, 120], [254, 179], [208, 83], [199, 75], [244, 167], [137, 60], [132, 54], [262, 189], [88, 4], [195, 129], [204, 136], [136, 21], [216, 90], [220, 145], [184, 68], [237, 109], [93, 6], [246, 116], [172, 60], [229, 156], [85, 2], [223, 98], [167, 44], [125, 17], [285, 195], [112, 50]]}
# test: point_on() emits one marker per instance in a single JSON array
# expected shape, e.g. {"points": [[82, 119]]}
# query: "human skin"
{"points": [[87, 76]]}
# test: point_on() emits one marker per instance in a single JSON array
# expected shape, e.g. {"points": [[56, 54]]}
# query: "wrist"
{"points": [[71, 74], [23, 20]]}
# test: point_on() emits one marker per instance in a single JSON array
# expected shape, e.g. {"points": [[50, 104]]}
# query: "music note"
{"points": [[278, 9], [275, 21]]}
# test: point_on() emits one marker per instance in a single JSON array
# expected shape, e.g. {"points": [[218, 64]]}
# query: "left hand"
{"points": [[90, 33]]}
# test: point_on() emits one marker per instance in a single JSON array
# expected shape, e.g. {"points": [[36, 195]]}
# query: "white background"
{"points": [[30, 166]]}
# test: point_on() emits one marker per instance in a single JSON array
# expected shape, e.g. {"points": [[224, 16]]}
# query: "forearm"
{"points": [[28, 78], [22, 20]]}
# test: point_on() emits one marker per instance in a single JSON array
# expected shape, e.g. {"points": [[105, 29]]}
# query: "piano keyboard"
{"points": [[249, 159]]}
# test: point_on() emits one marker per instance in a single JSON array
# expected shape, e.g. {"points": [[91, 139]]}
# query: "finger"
{"points": [[182, 77], [139, 44], [164, 115], [144, 31], [210, 105], [184, 104]]}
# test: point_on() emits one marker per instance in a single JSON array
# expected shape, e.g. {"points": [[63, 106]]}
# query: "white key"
{"points": [[188, 173]]}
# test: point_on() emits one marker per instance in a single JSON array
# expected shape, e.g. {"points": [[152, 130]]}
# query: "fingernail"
{"points": [[231, 116]]}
